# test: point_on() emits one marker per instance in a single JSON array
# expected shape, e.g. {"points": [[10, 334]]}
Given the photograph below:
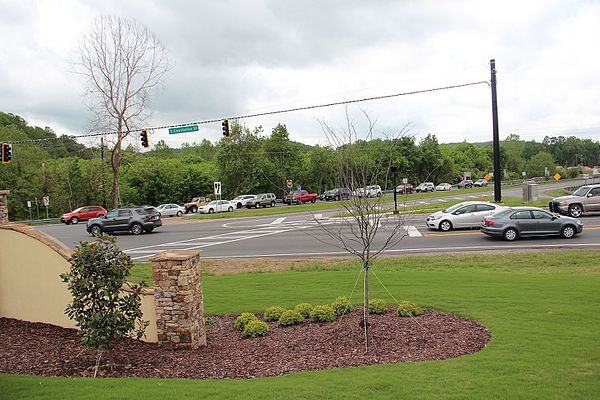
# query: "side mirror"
{"points": [[589, 195], [554, 217]]}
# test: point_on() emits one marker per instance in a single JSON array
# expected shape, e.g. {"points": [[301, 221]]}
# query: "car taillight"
{"points": [[148, 217], [489, 222]]}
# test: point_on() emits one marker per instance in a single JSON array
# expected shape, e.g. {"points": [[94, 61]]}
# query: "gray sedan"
{"points": [[516, 222], [170, 210]]}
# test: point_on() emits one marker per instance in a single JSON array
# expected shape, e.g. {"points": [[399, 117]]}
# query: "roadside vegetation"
{"points": [[541, 308]]}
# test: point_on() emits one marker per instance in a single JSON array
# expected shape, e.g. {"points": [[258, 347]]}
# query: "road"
{"points": [[303, 235]]}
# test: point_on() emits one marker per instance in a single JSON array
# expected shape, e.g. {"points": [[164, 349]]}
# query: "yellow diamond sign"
{"points": [[487, 177], [557, 176]]}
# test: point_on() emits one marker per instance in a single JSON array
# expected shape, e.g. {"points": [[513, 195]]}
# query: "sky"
{"points": [[232, 58]]}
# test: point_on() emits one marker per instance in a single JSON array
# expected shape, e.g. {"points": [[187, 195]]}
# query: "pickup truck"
{"points": [[299, 197], [196, 202]]}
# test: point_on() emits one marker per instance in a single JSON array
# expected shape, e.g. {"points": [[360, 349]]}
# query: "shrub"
{"points": [[409, 309], [377, 306], [256, 328], [341, 306], [304, 309], [243, 320], [273, 313], [290, 317], [323, 313]]}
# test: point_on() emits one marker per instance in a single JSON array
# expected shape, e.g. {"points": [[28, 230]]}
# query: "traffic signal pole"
{"points": [[496, 136]]}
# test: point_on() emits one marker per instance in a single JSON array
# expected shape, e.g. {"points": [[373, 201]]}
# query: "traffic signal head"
{"points": [[6, 150], [144, 138], [226, 132]]}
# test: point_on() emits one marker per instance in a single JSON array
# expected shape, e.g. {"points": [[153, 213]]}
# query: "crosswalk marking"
{"points": [[412, 231], [278, 221]]}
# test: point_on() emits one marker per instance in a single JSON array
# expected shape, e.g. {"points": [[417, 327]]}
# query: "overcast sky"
{"points": [[237, 57]]}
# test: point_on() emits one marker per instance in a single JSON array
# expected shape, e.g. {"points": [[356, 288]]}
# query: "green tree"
{"points": [[539, 163]]}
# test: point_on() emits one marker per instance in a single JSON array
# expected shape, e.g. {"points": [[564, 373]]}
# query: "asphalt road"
{"points": [[303, 235]]}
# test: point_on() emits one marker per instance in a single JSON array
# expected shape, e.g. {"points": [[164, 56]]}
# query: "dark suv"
{"points": [[133, 219], [337, 194]]}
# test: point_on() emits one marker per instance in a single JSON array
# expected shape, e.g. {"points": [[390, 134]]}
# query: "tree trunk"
{"points": [[366, 306], [116, 163]]}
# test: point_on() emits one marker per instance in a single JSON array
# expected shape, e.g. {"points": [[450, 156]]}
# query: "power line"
{"points": [[213, 120]]}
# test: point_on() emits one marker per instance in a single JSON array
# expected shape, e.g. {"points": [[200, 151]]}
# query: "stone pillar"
{"points": [[178, 298], [4, 206]]}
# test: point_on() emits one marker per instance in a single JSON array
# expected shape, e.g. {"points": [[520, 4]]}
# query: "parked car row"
{"points": [[407, 188]]}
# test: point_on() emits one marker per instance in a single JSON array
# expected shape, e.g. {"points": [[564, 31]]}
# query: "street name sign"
{"points": [[183, 129]]}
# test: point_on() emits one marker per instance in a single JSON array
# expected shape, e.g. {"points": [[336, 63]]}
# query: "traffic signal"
{"points": [[144, 138], [6, 153], [226, 132]]}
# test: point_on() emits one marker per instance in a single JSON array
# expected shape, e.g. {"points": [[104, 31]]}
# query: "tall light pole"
{"points": [[496, 136]]}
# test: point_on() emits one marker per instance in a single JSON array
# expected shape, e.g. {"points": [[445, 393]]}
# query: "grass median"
{"points": [[541, 307]]}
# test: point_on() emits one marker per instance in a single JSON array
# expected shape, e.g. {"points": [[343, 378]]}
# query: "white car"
{"points": [[467, 214], [170, 210], [217, 206], [241, 200], [443, 186], [369, 191]]}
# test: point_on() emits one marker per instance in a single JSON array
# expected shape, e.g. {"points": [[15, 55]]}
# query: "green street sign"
{"points": [[183, 129]]}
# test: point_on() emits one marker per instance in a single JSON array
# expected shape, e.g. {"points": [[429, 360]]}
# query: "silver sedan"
{"points": [[170, 210], [467, 214]]}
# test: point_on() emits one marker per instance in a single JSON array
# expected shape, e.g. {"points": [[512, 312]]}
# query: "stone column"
{"points": [[4, 206], [178, 298]]}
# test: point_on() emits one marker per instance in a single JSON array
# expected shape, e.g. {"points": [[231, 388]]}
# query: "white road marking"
{"points": [[412, 231], [278, 221]]}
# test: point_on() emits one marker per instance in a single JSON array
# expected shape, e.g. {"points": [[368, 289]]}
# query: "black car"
{"points": [[127, 219], [337, 194]]}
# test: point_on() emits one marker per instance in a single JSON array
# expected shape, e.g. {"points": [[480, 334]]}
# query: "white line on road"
{"points": [[278, 221], [412, 231]]}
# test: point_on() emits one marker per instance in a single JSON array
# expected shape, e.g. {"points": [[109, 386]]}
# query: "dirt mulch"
{"points": [[42, 349]]}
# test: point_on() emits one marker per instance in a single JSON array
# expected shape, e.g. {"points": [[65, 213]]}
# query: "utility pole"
{"points": [[496, 137]]}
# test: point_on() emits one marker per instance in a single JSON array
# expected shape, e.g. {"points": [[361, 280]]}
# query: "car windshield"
{"points": [[581, 191], [502, 213], [77, 210], [239, 198], [453, 208]]}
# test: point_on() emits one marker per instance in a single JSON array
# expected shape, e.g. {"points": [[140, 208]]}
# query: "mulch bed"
{"points": [[42, 349]]}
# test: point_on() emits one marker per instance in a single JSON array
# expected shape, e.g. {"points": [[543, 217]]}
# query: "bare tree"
{"points": [[122, 62], [367, 227]]}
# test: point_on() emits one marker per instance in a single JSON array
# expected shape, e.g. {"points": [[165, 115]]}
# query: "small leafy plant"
{"points": [[377, 306], [341, 306], [324, 313], [240, 322], [304, 309], [274, 313], [256, 328], [409, 309], [290, 317]]}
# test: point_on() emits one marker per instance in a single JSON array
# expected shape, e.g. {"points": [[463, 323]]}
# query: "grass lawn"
{"points": [[542, 310]]}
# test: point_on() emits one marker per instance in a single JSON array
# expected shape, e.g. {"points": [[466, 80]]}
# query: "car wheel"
{"points": [[511, 234], [210, 211], [136, 229], [67, 222], [313, 200], [230, 209], [445, 226], [568, 231], [96, 230], [74, 220], [272, 204], [256, 205], [179, 213], [575, 210], [148, 230], [194, 209]]}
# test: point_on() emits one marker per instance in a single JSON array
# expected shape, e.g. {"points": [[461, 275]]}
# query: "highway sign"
{"points": [[217, 186], [183, 129]]}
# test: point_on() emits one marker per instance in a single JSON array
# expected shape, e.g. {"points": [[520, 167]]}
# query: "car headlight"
{"points": [[563, 203], [579, 222], [434, 217]]}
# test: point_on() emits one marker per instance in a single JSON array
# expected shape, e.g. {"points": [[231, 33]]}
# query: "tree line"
{"points": [[251, 161]]}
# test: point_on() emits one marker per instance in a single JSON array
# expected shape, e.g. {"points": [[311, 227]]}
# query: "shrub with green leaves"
{"points": [[240, 322], [290, 317], [341, 306], [273, 313], [304, 309], [256, 328], [377, 306], [323, 313], [409, 309]]}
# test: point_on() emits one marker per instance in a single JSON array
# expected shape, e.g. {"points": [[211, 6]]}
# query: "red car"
{"points": [[402, 189], [83, 214]]}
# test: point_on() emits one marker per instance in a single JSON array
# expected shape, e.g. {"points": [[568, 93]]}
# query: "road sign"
{"points": [[183, 129], [46, 200], [487, 177], [217, 186], [299, 187], [467, 174], [524, 173], [557, 176], [405, 180], [289, 183], [28, 203]]}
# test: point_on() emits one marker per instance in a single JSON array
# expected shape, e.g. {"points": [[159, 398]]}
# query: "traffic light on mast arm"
{"points": [[226, 132], [144, 138], [6, 150]]}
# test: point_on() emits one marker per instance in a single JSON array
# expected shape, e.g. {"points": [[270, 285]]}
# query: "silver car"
{"points": [[467, 214], [170, 210], [516, 222]]}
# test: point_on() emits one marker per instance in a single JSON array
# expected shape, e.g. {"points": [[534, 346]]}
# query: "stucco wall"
{"points": [[30, 286]]}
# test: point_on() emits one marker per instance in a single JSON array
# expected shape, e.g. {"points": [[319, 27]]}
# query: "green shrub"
{"points": [[243, 320], [377, 306], [409, 309], [256, 328], [323, 313], [304, 309], [273, 313], [341, 306], [290, 317]]}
